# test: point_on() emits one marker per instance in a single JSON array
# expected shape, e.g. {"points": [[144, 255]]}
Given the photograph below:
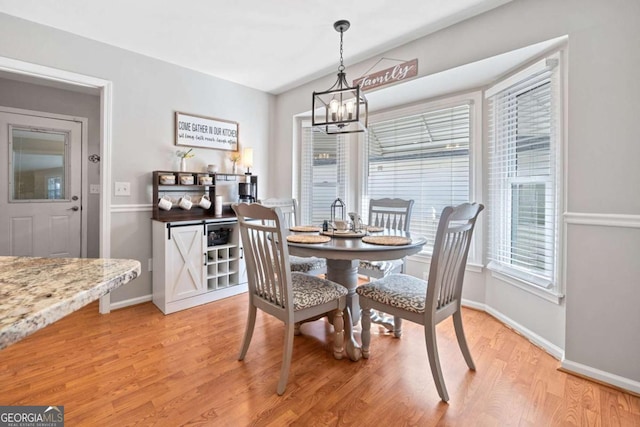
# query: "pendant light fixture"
{"points": [[341, 109]]}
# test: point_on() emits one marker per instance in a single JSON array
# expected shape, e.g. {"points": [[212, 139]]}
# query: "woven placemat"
{"points": [[387, 240], [308, 238], [305, 228], [374, 229]]}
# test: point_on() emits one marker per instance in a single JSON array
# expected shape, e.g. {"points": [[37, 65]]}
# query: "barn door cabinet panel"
{"points": [[196, 262]]}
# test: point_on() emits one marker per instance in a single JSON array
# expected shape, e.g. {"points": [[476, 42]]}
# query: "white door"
{"points": [[185, 261], [40, 186]]}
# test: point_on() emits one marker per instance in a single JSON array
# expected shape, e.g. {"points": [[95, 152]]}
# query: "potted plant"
{"points": [[235, 158], [184, 155]]}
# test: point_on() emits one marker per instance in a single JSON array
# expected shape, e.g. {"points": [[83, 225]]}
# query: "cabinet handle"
{"points": [[241, 253], [205, 258]]}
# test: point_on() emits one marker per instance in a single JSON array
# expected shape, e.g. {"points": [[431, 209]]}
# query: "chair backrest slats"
{"points": [[288, 208], [394, 214], [266, 254], [450, 251]]}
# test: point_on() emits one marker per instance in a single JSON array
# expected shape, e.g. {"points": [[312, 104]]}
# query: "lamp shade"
{"points": [[247, 157]]}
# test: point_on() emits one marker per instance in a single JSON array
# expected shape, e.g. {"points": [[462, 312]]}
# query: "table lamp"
{"points": [[247, 159]]}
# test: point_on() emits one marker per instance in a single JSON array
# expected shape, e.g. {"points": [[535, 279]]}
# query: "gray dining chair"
{"points": [[391, 214], [289, 209], [273, 288], [428, 302]]}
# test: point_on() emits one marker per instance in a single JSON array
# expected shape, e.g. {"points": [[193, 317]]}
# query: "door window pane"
{"points": [[38, 165]]}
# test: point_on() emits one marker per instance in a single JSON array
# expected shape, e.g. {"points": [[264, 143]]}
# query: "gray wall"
{"points": [[35, 97], [146, 95], [596, 326]]}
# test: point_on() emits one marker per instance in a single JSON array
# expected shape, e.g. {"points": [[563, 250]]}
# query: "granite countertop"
{"points": [[35, 292]]}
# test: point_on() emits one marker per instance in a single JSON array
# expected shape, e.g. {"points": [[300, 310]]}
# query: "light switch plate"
{"points": [[123, 189], [94, 188]]}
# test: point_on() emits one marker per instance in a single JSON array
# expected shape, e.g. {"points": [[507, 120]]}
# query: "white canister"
{"points": [[217, 206], [204, 203], [212, 168], [185, 202], [165, 203]]}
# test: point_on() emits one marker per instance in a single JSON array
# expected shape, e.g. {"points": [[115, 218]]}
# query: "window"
{"points": [[421, 153], [54, 187], [39, 164], [524, 171], [324, 174]]}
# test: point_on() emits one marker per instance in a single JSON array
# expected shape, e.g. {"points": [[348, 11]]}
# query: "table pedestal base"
{"points": [[345, 272]]}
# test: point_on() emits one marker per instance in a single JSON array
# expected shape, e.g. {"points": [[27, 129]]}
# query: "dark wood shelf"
{"points": [[196, 189]]}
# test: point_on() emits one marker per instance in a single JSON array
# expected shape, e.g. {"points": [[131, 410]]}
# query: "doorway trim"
{"points": [[106, 116]]}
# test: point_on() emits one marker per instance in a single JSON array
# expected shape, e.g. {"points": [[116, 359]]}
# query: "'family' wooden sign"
{"points": [[388, 76]]}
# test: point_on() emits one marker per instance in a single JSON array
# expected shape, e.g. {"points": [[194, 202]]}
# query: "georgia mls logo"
{"points": [[31, 416], [53, 408]]}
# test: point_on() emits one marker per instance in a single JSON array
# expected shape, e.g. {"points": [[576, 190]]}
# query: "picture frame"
{"points": [[206, 132]]}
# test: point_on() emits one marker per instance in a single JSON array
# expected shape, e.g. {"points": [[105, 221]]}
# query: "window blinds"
{"points": [[523, 177], [324, 174], [421, 155]]}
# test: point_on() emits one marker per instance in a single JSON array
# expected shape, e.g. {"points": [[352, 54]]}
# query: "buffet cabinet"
{"points": [[196, 262]]}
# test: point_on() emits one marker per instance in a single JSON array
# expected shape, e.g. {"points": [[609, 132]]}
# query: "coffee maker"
{"points": [[248, 190]]}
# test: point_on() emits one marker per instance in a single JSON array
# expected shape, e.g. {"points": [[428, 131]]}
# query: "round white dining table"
{"points": [[343, 255]]}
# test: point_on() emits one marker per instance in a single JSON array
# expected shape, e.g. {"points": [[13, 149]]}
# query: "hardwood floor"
{"points": [[136, 366]]}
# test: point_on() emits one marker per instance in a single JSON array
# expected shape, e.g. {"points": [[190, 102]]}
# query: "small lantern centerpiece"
{"points": [[338, 209]]}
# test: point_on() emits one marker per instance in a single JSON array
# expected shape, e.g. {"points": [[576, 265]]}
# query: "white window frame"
{"points": [[551, 288]]}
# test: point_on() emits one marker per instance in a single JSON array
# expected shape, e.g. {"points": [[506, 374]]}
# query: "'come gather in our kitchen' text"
{"points": [[206, 133]]}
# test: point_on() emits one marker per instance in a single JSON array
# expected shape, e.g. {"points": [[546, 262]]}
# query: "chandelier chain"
{"points": [[341, 67]]}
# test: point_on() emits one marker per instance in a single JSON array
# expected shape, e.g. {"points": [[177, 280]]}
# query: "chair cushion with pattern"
{"points": [[306, 264], [309, 291], [398, 290]]}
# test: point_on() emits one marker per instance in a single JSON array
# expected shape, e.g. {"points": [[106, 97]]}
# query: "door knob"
{"points": [[75, 208]]}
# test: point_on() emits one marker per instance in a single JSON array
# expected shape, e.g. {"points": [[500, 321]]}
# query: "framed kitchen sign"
{"points": [[206, 132]]}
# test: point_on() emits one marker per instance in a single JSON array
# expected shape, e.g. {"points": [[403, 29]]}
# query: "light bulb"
{"points": [[334, 106], [349, 106]]}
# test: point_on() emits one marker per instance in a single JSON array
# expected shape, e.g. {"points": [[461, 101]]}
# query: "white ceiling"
{"points": [[270, 45]]}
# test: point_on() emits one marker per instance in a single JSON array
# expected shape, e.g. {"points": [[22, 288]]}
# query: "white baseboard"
{"points": [[601, 376], [130, 302], [536, 339], [558, 353], [472, 304]]}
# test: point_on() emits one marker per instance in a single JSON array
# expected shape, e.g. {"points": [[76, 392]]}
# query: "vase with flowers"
{"points": [[235, 158], [183, 156]]}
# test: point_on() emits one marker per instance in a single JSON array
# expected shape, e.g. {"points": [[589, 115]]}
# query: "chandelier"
{"points": [[340, 109]]}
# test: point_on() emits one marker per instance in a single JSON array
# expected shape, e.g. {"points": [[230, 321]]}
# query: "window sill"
{"points": [[546, 294]]}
